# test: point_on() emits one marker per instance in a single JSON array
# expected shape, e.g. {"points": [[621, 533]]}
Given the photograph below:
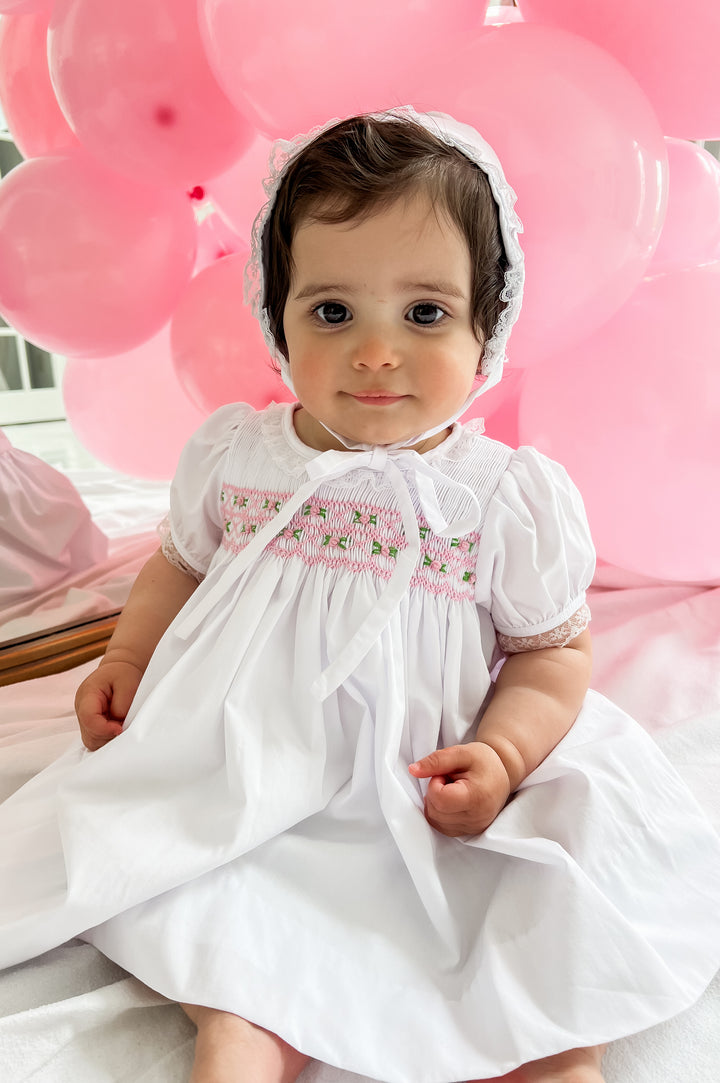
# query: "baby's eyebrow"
{"points": [[449, 289]]}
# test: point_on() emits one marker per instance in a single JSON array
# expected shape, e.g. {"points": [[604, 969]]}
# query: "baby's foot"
{"points": [[228, 1048], [572, 1066]]}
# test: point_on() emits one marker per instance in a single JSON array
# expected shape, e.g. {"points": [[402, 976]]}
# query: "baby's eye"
{"points": [[426, 314], [331, 312]]}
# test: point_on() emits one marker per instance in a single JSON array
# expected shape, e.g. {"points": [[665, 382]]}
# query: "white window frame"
{"points": [[31, 404]]}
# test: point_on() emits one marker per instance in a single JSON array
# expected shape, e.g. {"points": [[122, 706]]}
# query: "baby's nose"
{"points": [[375, 352]]}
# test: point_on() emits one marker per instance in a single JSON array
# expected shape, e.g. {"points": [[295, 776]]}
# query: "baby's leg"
{"points": [[572, 1066], [228, 1049]]}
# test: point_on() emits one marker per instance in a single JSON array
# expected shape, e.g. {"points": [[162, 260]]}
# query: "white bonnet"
{"points": [[455, 134]]}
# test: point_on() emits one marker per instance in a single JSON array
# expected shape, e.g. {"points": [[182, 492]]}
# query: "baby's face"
{"points": [[378, 326]]}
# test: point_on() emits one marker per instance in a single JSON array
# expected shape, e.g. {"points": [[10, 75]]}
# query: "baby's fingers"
{"points": [[446, 798], [443, 761], [95, 737], [95, 728]]}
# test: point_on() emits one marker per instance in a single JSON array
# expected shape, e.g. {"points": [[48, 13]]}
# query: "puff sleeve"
{"points": [[535, 557], [192, 531]]}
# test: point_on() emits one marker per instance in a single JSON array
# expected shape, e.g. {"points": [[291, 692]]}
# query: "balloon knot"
{"points": [[165, 116]]}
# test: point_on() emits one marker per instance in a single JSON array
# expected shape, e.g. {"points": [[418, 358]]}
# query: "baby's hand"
{"points": [[468, 787], [103, 700]]}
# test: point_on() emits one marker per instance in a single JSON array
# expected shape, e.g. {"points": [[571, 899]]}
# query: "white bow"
{"points": [[396, 465]]}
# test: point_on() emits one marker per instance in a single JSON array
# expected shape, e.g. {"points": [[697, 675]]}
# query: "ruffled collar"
{"points": [[292, 455]]}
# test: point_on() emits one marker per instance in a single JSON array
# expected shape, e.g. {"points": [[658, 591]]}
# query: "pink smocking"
{"points": [[352, 536]]}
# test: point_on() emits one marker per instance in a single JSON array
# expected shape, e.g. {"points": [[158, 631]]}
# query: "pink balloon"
{"points": [[24, 7], [583, 150], [28, 100], [91, 263], [215, 240], [634, 416], [218, 349], [691, 233], [289, 66], [133, 80], [129, 411], [238, 194], [671, 51]]}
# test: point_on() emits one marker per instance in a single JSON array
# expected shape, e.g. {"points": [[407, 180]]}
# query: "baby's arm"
{"points": [[537, 698], [103, 699]]}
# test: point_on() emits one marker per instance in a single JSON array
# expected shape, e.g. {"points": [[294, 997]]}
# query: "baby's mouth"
{"points": [[377, 398]]}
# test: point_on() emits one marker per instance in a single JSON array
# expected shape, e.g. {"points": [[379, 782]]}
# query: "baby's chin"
{"points": [[333, 435], [409, 441]]}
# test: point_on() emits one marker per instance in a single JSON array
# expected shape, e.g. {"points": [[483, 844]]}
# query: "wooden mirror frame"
{"points": [[55, 649]]}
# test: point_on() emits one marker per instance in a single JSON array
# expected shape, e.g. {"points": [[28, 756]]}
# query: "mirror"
{"points": [[73, 536]]}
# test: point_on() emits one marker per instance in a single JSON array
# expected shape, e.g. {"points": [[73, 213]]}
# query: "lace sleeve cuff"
{"points": [[170, 552], [556, 637]]}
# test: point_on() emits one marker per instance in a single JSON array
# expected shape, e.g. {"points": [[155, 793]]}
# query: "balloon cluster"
{"points": [[146, 129]]}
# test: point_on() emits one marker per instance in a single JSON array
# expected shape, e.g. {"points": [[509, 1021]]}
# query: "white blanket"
{"points": [[73, 1016]]}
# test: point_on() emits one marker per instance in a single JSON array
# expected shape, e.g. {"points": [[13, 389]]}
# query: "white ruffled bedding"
{"points": [[72, 1015]]}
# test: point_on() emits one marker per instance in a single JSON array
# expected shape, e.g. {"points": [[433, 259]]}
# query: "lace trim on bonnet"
{"points": [[454, 134]]}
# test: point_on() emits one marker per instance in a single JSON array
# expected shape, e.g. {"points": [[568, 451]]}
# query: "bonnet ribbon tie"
{"points": [[325, 467]]}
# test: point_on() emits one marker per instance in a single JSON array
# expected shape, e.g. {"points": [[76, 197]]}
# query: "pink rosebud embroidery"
{"points": [[288, 533], [364, 518], [378, 549], [435, 565]]}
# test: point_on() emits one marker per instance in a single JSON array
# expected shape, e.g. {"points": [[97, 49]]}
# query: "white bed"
{"points": [[71, 1015]]}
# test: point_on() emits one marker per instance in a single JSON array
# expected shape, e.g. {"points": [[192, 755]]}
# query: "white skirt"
{"points": [[246, 846], [322, 906]]}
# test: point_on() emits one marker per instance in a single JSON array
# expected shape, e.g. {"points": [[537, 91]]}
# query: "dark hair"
{"points": [[362, 165]]}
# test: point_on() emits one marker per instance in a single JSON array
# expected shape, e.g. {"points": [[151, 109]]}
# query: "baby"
{"points": [[320, 813]]}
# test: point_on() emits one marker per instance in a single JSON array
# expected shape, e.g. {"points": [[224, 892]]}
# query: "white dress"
{"points": [[253, 841]]}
